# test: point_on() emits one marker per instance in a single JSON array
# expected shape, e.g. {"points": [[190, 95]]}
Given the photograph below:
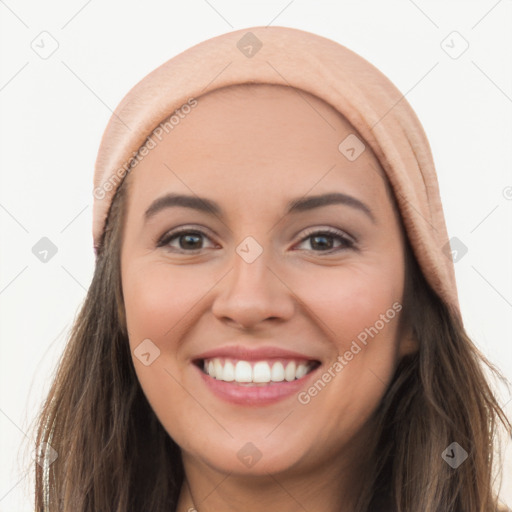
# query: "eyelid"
{"points": [[331, 231]]}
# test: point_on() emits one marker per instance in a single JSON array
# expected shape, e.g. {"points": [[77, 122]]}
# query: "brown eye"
{"points": [[187, 240], [323, 240]]}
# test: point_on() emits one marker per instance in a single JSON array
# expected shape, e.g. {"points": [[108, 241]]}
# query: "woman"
{"points": [[273, 321]]}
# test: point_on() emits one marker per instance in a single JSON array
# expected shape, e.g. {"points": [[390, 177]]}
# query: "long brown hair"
{"points": [[115, 456]]}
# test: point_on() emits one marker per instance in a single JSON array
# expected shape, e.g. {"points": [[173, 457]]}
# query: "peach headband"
{"points": [[320, 66]]}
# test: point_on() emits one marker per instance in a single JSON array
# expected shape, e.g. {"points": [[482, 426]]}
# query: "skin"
{"points": [[252, 151]]}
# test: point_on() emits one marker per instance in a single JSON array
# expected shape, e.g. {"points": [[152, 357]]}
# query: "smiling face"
{"points": [[322, 280]]}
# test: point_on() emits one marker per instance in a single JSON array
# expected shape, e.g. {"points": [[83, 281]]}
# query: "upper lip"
{"points": [[253, 354]]}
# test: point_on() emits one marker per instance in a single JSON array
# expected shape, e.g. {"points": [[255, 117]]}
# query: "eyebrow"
{"points": [[294, 206]]}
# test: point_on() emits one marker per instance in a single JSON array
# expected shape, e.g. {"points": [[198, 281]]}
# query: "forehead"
{"points": [[246, 141]]}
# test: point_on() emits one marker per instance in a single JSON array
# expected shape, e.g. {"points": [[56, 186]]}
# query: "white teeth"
{"points": [[302, 369], [243, 372], [229, 372], [289, 373], [277, 372], [260, 372], [211, 369], [218, 367]]}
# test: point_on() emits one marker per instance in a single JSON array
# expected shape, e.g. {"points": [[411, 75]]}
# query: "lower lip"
{"points": [[255, 395]]}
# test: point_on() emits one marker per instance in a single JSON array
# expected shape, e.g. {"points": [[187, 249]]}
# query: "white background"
{"points": [[54, 112]]}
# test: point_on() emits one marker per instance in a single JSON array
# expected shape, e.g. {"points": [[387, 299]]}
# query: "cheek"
{"points": [[350, 299], [360, 318], [156, 300], [158, 303]]}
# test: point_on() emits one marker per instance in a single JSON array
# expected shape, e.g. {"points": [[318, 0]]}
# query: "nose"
{"points": [[253, 293]]}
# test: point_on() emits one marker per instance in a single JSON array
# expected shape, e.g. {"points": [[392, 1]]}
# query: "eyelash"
{"points": [[350, 244]]}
